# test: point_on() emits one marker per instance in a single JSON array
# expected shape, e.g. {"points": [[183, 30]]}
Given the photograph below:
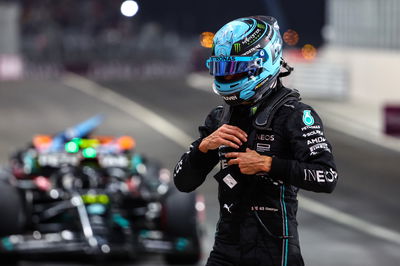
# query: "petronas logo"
{"points": [[236, 47], [308, 119]]}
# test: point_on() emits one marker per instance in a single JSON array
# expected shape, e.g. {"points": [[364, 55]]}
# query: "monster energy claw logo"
{"points": [[308, 120], [261, 26], [236, 47]]}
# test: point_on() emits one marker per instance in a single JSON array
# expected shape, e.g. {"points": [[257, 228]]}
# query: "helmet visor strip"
{"points": [[230, 65]]}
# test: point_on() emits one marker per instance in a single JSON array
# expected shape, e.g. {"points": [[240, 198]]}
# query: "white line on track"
{"points": [[183, 140], [346, 219], [129, 107]]}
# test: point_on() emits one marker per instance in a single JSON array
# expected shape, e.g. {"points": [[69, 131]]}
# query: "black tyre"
{"points": [[9, 260], [11, 209], [181, 221], [11, 221]]}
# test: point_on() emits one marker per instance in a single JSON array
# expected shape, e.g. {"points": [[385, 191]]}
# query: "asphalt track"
{"points": [[367, 189]]}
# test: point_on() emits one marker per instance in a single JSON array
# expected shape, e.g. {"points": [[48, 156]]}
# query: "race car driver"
{"points": [[268, 143]]}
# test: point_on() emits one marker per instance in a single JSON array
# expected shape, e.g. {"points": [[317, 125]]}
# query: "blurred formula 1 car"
{"points": [[74, 193]]}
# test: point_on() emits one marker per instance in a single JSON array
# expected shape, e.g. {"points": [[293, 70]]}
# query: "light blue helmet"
{"points": [[246, 59]]}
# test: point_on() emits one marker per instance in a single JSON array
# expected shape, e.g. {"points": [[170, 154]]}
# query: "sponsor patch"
{"points": [[312, 133], [322, 146], [265, 137], [230, 98], [230, 181], [320, 176], [178, 167], [258, 46], [263, 147], [315, 141], [222, 58], [237, 47], [310, 127], [253, 37], [228, 208], [308, 119], [223, 164]]}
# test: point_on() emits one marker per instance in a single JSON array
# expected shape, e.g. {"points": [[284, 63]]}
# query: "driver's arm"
{"points": [[194, 165]]}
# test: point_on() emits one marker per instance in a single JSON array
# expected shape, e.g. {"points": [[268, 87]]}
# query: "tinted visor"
{"points": [[231, 65], [231, 78]]}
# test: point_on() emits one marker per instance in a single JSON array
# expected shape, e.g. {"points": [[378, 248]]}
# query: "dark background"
{"points": [[187, 18], [80, 35], [193, 17]]}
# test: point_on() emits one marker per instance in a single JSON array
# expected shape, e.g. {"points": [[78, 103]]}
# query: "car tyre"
{"points": [[11, 209], [182, 221]]}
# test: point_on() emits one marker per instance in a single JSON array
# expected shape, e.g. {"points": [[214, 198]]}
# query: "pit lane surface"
{"points": [[367, 189]]}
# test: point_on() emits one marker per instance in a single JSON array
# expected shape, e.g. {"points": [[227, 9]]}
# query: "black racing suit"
{"points": [[257, 224]]}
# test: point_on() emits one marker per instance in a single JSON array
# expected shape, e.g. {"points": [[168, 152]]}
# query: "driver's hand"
{"points": [[227, 135], [250, 162]]}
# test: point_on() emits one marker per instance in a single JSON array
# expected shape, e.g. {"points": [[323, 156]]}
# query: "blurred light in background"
{"points": [[291, 37], [129, 8], [206, 39], [126, 143], [11, 66], [309, 52], [71, 147], [89, 153], [200, 206]]}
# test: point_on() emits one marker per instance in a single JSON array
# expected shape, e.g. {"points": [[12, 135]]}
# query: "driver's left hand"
{"points": [[250, 162]]}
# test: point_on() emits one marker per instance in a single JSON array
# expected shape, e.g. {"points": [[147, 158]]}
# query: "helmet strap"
{"points": [[286, 66]]}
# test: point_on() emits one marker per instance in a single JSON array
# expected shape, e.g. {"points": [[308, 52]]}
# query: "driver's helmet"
{"points": [[246, 59]]}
